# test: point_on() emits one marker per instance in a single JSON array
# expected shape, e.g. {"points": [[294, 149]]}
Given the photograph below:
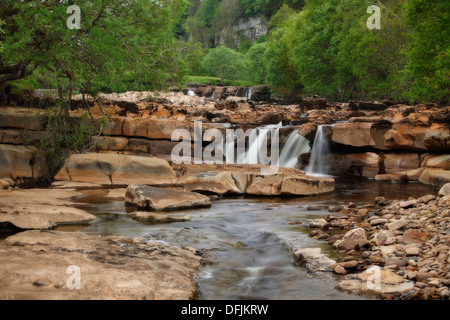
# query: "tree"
{"points": [[428, 67], [225, 63], [194, 54], [121, 44], [255, 55]]}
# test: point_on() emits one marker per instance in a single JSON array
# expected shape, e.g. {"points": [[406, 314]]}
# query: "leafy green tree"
{"points": [[281, 71], [428, 68], [255, 55], [225, 63], [193, 56], [121, 44]]}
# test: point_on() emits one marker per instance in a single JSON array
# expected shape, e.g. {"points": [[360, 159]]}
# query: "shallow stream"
{"points": [[251, 240]]}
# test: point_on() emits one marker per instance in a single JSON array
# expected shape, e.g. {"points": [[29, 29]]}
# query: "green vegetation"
{"points": [[325, 47], [218, 82], [319, 47], [121, 45]]}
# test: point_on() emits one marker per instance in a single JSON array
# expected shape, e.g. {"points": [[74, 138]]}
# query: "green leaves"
{"points": [[122, 44], [225, 63]]}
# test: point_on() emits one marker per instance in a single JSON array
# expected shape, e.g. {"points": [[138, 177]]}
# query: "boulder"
{"points": [[435, 176], [308, 130], [21, 162], [353, 239], [117, 169], [214, 182], [314, 102], [313, 259], [441, 161], [57, 265], [445, 190], [42, 217], [159, 199]]}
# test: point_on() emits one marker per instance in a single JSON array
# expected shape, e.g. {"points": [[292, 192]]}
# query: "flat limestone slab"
{"points": [[160, 199], [80, 266], [41, 209]]}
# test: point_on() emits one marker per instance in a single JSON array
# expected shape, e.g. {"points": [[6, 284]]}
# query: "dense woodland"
{"points": [[321, 47]]}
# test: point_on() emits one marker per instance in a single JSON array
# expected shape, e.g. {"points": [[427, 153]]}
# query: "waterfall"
{"points": [[294, 146], [319, 162], [244, 92]]}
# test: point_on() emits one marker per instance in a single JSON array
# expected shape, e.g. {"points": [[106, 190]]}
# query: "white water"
{"points": [[294, 146], [319, 161], [191, 93]]}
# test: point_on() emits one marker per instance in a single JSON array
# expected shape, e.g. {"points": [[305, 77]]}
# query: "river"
{"points": [[250, 240]]}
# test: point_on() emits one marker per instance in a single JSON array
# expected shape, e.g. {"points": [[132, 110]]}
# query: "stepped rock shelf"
{"points": [[131, 164], [120, 170]]}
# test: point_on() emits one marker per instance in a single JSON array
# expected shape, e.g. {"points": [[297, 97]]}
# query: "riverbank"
{"points": [[398, 249]]}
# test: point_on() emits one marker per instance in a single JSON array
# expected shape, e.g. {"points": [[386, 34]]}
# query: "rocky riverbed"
{"points": [[399, 250], [403, 246]]}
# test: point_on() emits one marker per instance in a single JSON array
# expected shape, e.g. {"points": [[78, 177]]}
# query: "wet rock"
{"points": [[159, 199], [353, 239], [157, 217], [313, 259], [320, 224], [340, 270]]}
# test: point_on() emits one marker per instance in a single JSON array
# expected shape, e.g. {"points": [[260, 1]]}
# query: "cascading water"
{"points": [[319, 162], [191, 93], [294, 146], [244, 92]]}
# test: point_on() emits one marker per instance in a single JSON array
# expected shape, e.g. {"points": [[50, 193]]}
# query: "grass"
{"points": [[217, 82]]}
